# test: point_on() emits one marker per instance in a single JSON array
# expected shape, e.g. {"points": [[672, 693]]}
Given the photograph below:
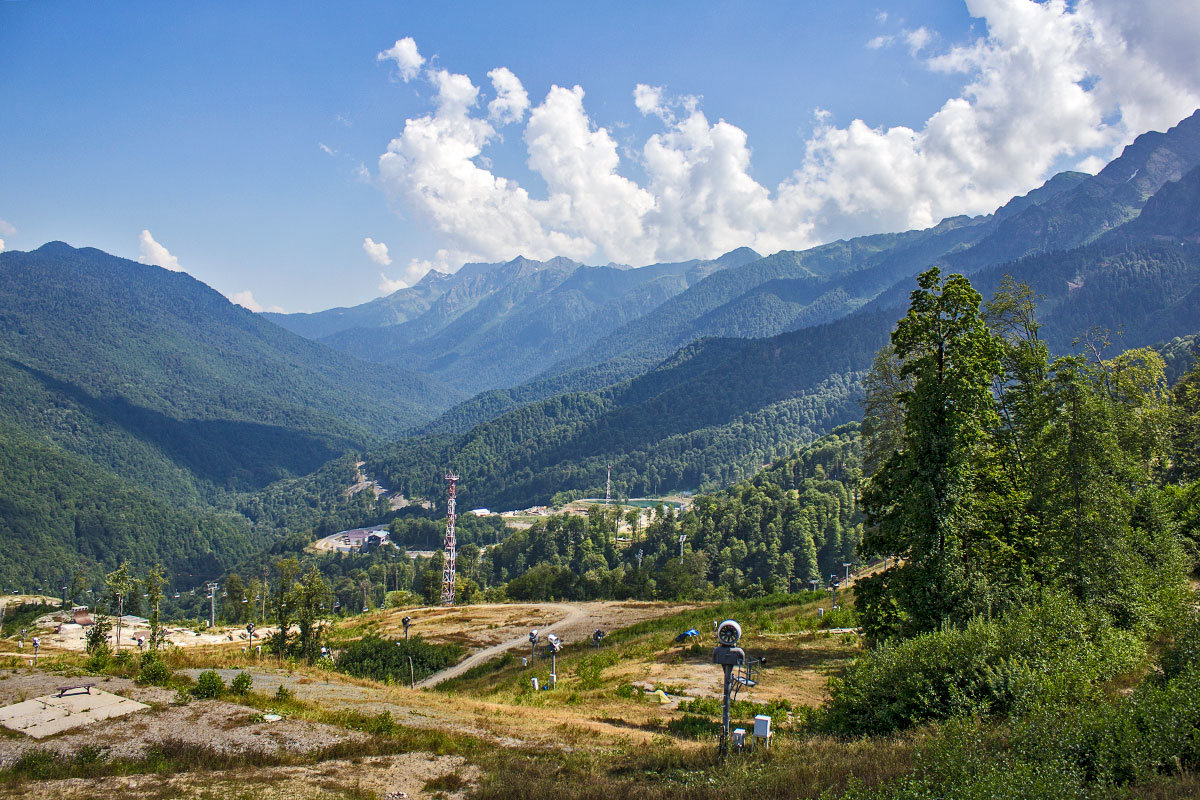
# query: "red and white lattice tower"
{"points": [[449, 545]]}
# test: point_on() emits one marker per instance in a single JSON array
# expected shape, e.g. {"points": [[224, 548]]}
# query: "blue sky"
{"points": [[243, 142]]}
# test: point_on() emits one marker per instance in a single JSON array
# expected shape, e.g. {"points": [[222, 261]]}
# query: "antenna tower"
{"points": [[608, 486], [449, 544]]}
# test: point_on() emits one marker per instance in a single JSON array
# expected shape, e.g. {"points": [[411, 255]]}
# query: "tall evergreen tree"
{"points": [[921, 504]]}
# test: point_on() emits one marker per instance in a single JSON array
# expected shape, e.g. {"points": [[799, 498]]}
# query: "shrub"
{"points": [[38, 764], [152, 670], [208, 685], [283, 694], [840, 617], [96, 637], [1184, 651], [590, 669], [691, 726], [241, 683], [381, 659], [97, 661], [1053, 650]]}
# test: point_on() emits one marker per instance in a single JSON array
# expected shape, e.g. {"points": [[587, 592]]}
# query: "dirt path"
{"points": [[575, 615]]}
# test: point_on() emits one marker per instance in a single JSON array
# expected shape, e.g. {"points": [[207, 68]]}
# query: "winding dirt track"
{"points": [[576, 613]]}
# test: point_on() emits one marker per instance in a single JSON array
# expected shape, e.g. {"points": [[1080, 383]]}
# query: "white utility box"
{"points": [[762, 729]]}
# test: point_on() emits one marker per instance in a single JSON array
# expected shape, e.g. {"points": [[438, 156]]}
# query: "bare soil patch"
{"points": [[385, 776], [223, 726]]}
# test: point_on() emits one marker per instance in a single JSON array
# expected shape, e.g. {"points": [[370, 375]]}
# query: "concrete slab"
{"points": [[51, 714]]}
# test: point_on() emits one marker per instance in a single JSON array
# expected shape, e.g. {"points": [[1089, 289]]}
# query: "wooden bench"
{"points": [[62, 690]]}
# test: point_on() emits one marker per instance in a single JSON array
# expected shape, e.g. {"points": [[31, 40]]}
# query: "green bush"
{"points": [[98, 661], [283, 694], [590, 669], [38, 764], [1051, 750], [840, 617], [152, 670], [241, 683], [1184, 650], [208, 686], [691, 726], [1055, 650], [381, 659]]}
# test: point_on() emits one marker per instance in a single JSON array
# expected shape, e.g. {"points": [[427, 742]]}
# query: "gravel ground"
{"points": [[224, 726]]}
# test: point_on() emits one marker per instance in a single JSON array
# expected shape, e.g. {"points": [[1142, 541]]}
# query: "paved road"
{"points": [[575, 613]]}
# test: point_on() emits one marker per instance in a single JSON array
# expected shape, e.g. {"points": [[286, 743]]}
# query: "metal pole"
{"points": [[412, 681], [724, 750]]}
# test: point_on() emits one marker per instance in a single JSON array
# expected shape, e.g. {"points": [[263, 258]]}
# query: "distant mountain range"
{"points": [[718, 409], [124, 380], [497, 325]]}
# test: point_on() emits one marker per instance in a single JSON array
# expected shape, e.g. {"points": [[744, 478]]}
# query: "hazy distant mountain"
{"points": [[397, 307], [500, 324], [786, 291], [718, 407], [158, 377], [1110, 198]]}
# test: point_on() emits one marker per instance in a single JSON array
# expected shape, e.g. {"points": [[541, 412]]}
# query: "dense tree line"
{"points": [[1012, 472], [794, 523]]}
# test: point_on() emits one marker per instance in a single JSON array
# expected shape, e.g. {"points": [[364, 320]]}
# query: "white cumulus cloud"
{"points": [[404, 53], [246, 300], [512, 101], [1046, 83], [154, 253], [376, 251], [917, 40], [1, 245], [7, 229]]}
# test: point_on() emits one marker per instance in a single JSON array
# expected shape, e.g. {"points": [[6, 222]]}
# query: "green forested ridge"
{"points": [[133, 365], [60, 514], [712, 414]]}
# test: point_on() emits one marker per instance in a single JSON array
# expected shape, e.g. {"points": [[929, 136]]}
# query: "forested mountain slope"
{"points": [[154, 375], [708, 416], [787, 291], [1109, 199], [496, 325], [792, 524], [703, 417], [781, 292], [61, 514]]}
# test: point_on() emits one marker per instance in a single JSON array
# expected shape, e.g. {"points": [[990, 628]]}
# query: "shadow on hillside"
{"points": [[230, 454]]}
